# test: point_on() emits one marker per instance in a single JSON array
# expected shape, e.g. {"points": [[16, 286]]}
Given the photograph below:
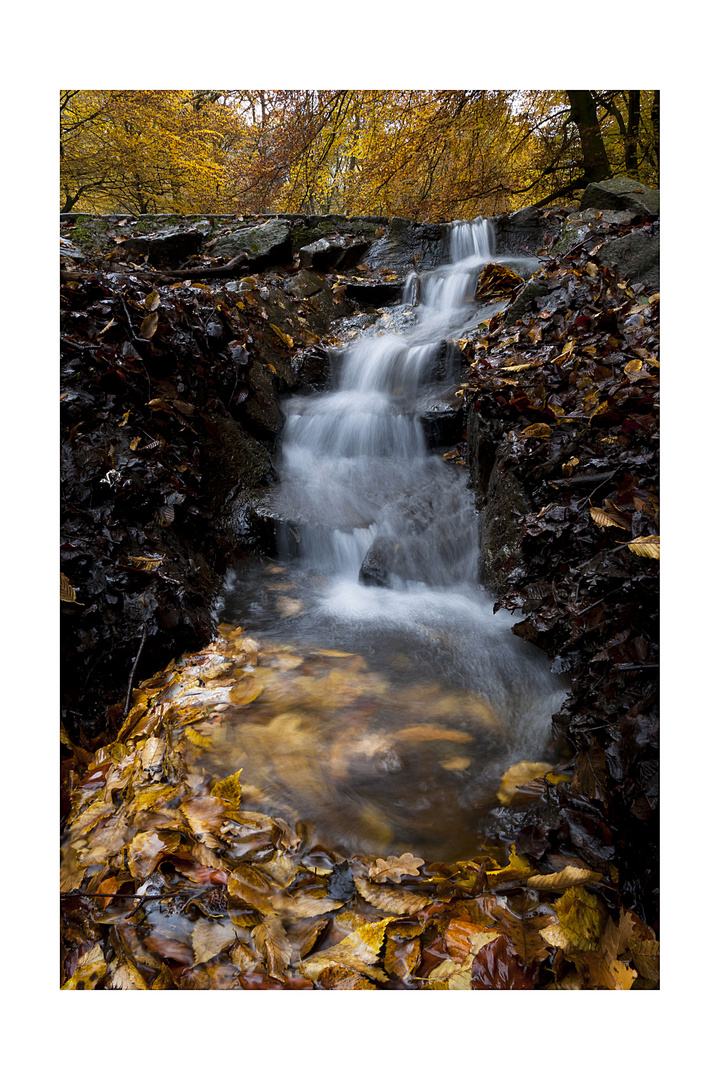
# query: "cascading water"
{"points": [[455, 697]]}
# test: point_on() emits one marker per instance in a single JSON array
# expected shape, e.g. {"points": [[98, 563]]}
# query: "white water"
{"points": [[355, 468]]}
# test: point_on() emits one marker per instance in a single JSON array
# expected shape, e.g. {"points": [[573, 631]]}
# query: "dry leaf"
{"points": [[647, 546], [394, 867], [569, 875], [536, 431], [606, 520]]}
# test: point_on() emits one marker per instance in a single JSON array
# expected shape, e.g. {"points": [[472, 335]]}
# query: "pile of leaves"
{"points": [[567, 397], [168, 882], [169, 392]]}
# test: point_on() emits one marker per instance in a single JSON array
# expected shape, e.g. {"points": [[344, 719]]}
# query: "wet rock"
{"points": [[234, 463], [266, 245], [312, 367], [374, 293], [442, 424], [322, 254], [579, 224], [532, 289], [377, 566], [501, 499], [622, 193], [169, 249], [506, 503], [526, 231], [636, 255], [408, 245]]}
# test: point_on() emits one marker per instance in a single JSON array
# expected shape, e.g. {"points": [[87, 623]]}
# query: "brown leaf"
{"points": [[397, 901], [606, 519], [210, 937], [394, 867], [569, 875], [149, 325], [270, 940]]}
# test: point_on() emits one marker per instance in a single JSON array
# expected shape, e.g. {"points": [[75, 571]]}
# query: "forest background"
{"points": [[430, 155]]}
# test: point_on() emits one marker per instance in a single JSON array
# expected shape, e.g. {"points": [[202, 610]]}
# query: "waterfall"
{"points": [[380, 557], [355, 463]]}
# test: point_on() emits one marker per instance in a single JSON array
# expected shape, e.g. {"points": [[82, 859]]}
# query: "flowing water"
{"points": [[405, 697]]}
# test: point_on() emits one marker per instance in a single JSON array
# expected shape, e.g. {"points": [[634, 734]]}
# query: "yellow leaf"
{"points": [[633, 366], [591, 269], [270, 939], [144, 853], [358, 951], [285, 338], [228, 789], [606, 520], [67, 593], [141, 562], [647, 546], [536, 431], [91, 968], [517, 775], [567, 351], [245, 691], [564, 879], [152, 301], [581, 917], [569, 465]]}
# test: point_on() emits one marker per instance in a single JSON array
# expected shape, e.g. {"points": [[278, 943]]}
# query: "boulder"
{"points": [[501, 529], [168, 249], [622, 193], [268, 244], [530, 291], [526, 231], [339, 252], [636, 255], [375, 292], [377, 566], [580, 223], [407, 245]]}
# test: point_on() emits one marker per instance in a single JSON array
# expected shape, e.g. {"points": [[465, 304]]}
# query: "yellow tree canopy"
{"points": [[429, 154]]}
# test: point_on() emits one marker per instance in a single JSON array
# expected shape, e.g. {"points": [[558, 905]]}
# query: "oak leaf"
{"points": [[394, 867]]}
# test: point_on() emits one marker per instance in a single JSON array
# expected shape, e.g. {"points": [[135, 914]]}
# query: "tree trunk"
{"points": [[584, 115], [633, 133], [655, 120]]}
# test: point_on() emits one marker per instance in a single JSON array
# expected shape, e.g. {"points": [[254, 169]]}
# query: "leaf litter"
{"points": [[171, 881]]}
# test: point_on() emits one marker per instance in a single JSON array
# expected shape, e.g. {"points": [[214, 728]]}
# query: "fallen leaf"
{"points": [[569, 875], [536, 431], [394, 867], [91, 968], [149, 325], [647, 546]]}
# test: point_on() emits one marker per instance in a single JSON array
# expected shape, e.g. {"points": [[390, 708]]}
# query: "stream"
{"points": [[397, 697]]}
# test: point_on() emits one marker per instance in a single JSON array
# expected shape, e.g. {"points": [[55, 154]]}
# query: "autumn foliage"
{"points": [[433, 155]]}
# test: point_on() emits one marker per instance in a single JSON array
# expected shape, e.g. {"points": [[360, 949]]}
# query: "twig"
{"points": [[134, 669]]}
